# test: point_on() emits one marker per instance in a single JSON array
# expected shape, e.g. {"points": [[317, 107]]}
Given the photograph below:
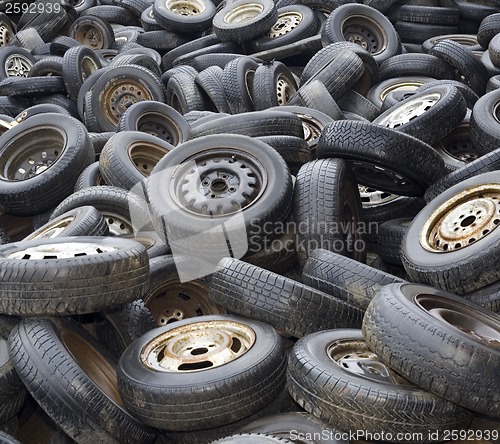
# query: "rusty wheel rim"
{"points": [[462, 220], [365, 32], [198, 346], [145, 156], [90, 36], [185, 7]]}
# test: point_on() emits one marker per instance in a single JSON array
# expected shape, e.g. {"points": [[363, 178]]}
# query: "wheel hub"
{"points": [[371, 197], [185, 8], [17, 66], [364, 32], [118, 226], [198, 346], [243, 13], [409, 111], [286, 22], [90, 36], [463, 220], [220, 185]]}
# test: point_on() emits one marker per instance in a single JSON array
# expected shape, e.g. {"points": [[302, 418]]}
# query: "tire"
{"points": [[345, 278], [5, 438], [449, 264], [193, 17], [272, 85], [354, 102], [241, 20], [12, 390], [140, 83], [390, 238], [186, 48], [99, 140], [294, 23], [112, 14], [287, 305], [418, 33], [330, 223], [78, 63], [429, 115], [467, 40], [484, 131], [289, 425], [237, 84], [61, 365], [32, 86], [183, 95], [267, 206], [170, 300], [315, 95], [117, 329], [367, 145], [90, 177], [166, 399], [129, 157], [404, 85], [339, 26], [428, 14], [469, 95], [48, 66], [15, 62], [415, 65], [350, 399], [494, 51], [92, 32], [404, 325], [27, 265], [29, 193], [82, 221], [473, 71], [489, 27], [253, 124], [209, 81]]}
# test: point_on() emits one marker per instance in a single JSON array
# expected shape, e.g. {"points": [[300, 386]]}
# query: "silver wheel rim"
{"points": [[198, 346], [6, 35], [63, 250], [462, 220], [185, 7], [54, 229], [243, 13], [371, 197], [406, 112], [284, 89], [17, 65], [401, 86], [285, 23], [117, 224]]}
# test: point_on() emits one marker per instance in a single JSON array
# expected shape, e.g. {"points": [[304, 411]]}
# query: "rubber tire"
{"points": [[484, 132], [55, 378], [45, 190], [459, 271], [287, 305], [226, 393], [345, 278], [265, 83], [390, 238], [408, 338], [350, 401], [370, 143], [182, 23], [90, 177]]}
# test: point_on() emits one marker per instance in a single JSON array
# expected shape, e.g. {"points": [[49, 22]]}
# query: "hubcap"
{"points": [[460, 316], [198, 346], [286, 22], [119, 95], [365, 32], [355, 357], [463, 220], [17, 66], [220, 182], [410, 110]]}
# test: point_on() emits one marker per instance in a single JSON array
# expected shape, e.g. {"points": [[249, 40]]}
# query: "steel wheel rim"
{"points": [[54, 229], [286, 22], [185, 7], [145, 156], [400, 86], [159, 126], [93, 364], [219, 182], [174, 301], [371, 197], [6, 35], [88, 66], [458, 145], [27, 155], [410, 110], [243, 13], [198, 346], [383, 176], [17, 65], [118, 225], [91, 36], [355, 357], [365, 32], [119, 94], [474, 323], [284, 89], [62, 250], [462, 220]]}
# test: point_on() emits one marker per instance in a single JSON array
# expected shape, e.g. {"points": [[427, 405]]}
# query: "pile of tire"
{"points": [[247, 221]]}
